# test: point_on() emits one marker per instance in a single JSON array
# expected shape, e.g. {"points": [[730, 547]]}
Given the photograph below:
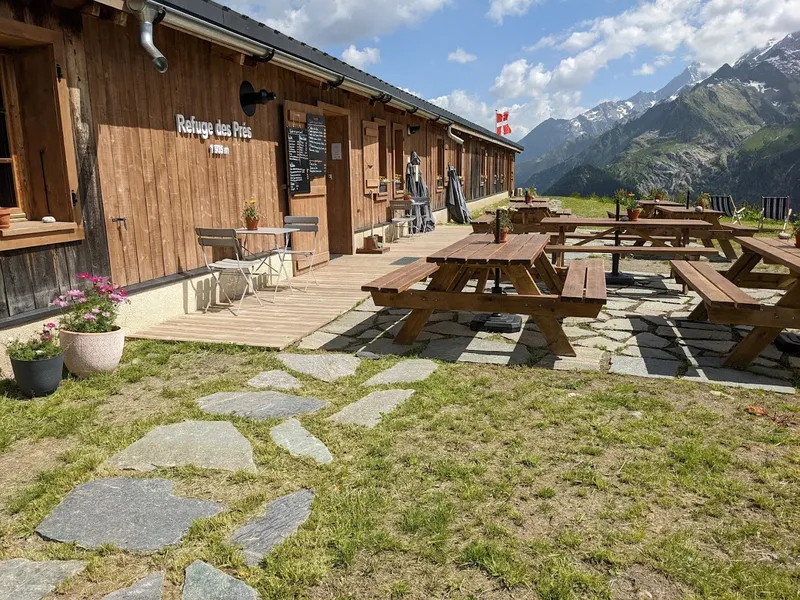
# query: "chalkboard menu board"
{"points": [[317, 154], [297, 145]]}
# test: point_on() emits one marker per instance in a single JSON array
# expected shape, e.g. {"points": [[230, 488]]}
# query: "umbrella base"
{"points": [[619, 279], [788, 343], [496, 323]]}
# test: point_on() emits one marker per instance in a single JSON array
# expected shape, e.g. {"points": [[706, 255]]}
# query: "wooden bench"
{"points": [[401, 279], [740, 230], [679, 251], [712, 286]]}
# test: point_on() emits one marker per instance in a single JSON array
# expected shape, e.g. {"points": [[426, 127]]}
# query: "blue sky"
{"points": [[540, 58]]}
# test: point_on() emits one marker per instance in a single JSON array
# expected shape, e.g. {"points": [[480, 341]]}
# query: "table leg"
{"points": [[761, 337], [727, 249], [483, 277], [551, 278], [557, 340], [443, 280]]}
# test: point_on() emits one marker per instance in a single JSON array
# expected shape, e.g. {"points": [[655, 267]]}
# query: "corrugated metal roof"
{"points": [[243, 25]]}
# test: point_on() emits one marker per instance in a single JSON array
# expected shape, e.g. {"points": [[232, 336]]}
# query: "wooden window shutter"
{"points": [[371, 157]]}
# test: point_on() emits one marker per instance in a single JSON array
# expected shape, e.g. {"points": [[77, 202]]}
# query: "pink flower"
{"points": [[50, 325], [60, 303], [74, 293], [83, 276], [115, 297], [46, 337], [107, 315], [96, 311], [90, 317]]}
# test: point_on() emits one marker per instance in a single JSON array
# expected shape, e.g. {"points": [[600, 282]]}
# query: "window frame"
{"points": [[399, 158], [441, 163], [15, 35]]}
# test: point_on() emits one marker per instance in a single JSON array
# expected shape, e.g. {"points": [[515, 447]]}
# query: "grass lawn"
{"points": [[490, 482]]}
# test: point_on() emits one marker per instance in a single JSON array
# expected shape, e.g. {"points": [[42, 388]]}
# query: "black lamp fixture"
{"points": [[412, 129], [249, 98]]}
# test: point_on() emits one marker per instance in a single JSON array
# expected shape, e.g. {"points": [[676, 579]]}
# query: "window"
{"points": [[38, 170], [440, 162], [496, 167], [460, 160], [484, 166], [399, 159]]}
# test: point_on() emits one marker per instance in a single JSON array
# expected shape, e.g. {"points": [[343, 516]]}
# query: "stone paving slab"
{"points": [[649, 340], [623, 324], [407, 371], [384, 347], [327, 367], [148, 588], [204, 582], [293, 437], [204, 444], [736, 378], [644, 367], [279, 380], [645, 352], [587, 359], [139, 515], [694, 334], [450, 328], [322, 340], [23, 579], [351, 323], [710, 345], [281, 520], [599, 342], [475, 350], [259, 405], [370, 409]]}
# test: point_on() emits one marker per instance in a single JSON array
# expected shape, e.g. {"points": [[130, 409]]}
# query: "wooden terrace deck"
{"points": [[295, 315]]}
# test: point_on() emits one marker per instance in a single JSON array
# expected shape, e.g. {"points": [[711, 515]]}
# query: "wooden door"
{"points": [[313, 204], [340, 219]]}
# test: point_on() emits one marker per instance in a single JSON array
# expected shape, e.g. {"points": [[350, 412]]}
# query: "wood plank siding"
{"points": [[143, 187]]}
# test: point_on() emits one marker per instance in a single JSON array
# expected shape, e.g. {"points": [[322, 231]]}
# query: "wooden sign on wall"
{"points": [[297, 150]]}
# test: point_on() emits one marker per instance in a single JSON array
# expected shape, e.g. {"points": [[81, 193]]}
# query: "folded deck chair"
{"points": [[725, 204], [776, 208]]}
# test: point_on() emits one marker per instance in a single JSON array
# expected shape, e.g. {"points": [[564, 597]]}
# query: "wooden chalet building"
{"points": [[128, 159]]}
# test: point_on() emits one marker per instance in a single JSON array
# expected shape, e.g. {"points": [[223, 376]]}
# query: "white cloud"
{"points": [[499, 9], [645, 70], [461, 56], [330, 22], [649, 69], [361, 59], [412, 92], [578, 40], [546, 42]]}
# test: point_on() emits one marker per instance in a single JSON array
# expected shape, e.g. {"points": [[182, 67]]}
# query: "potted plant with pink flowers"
{"points": [[91, 339]]}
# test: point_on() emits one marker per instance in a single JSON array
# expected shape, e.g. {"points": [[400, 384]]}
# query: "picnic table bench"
{"points": [[725, 302], [525, 219], [521, 260], [719, 232], [657, 232]]}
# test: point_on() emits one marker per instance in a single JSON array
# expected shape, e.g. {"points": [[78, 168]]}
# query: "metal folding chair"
{"points": [[304, 225], [725, 204], [226, 238], [777, 208]]}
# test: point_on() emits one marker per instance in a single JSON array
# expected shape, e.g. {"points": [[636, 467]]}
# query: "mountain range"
{"points": [[734, 132], [556, 140]]}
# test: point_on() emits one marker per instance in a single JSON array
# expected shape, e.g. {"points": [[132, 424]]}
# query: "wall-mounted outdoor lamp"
{"points": [[250, 98], [412, 129]]}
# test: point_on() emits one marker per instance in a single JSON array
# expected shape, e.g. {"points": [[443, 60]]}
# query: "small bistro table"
{"points": [[522, 260], [280, 251], [655, 231], [726, 303], [719, 232]]}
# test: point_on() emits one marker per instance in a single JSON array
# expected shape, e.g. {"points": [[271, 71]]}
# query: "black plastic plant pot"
{"points": [[38, 378]]}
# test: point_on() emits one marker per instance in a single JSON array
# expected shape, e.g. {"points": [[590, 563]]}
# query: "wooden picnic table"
{"points": [[725, 302], [657, 232], [721, 233], [525, 219], [521, 260], [649, 206]]}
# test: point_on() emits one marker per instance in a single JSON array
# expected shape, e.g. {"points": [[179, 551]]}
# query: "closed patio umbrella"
{"points": [[456, 202], [415, 185]]}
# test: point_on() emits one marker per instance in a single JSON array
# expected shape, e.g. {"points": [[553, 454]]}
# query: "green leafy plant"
{"points": [[506, 218], [630, 202], [621, 194], [657, 194], [704, 200], [94, 310], [251, 210], [41, 346], [531, 191]]}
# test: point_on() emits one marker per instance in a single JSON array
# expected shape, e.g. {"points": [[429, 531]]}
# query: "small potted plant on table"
{"points": [[506, 223], [91, 339], [37, 363], [703, 202], [633, 208], [251, 216]]}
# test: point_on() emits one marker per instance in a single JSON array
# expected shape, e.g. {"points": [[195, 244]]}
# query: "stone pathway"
{"points": [[327, 367], [204, 582], [369, 410], [259, 405], [148, 588], [139, 515], [292, 436], [278, 380], [407, 371], [205, 444], [23, 579], [281, 520]]}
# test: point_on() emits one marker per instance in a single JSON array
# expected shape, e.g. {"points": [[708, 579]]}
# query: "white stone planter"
{"points": [[89, 353]]}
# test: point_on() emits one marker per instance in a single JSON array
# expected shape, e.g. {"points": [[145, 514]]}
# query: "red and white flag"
{"points": [[502, 123]]}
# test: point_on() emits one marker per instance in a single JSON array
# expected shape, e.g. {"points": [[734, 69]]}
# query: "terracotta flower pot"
{"points": [[37, 378], [633, 214], [5, 218], [503, 235], [89, 353], [251, 224]]}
